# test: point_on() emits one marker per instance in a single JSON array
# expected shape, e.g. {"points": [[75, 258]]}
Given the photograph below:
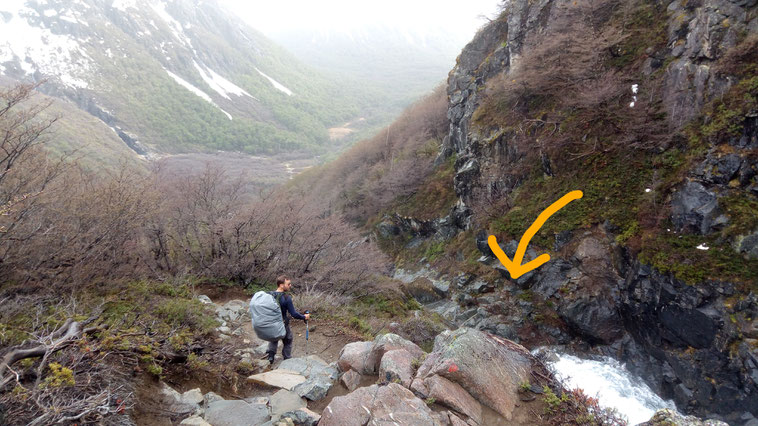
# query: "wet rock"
{"points": [[387, 229], [397, 367], [670, 417], [552, 278], [236, 412], [466, 356], [391, 404], [594, 318], [283, 401]]}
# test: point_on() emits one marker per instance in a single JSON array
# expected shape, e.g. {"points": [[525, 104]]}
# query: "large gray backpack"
{"points": [[266, 312]]}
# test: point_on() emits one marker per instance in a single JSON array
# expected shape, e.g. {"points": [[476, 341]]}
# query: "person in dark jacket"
{"points": [[285, 301]]}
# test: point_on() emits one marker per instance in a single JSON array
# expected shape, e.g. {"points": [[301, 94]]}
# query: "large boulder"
{"points": [[449, 394], [390, 341], [364, 357], [397, 366], [489, 368], [694, 209], [355, 356], [391, 404], [351, 380]]}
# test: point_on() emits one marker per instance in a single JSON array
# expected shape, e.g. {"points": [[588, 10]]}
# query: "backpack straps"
{"points": [[277, 297]]}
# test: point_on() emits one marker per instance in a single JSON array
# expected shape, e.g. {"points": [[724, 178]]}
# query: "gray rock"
{"points": [[283, 401], [302, 417], [194, 421], [235, 413], [748, 245], [671, 417], [313, 389], [694, 208], [441, 287], [205, 299], [480, 287], [423, 290], [193, 397], [593, 317], [210, 397]]}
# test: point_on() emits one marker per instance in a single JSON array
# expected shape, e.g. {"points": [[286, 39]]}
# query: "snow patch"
{"points": [[50, 13], [173, 25], [187, 85], [702, 247], [275, 83], [635, 88], [38, 49], [219, 84], [648, 189], [123, 5]]}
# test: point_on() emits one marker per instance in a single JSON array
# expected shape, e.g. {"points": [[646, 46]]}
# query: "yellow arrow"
{"points": [[514, 266]]}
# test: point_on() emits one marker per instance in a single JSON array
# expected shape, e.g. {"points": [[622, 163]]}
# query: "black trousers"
{"points": [[286, 350]]}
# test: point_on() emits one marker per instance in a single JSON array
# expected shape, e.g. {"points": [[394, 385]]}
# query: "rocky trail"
{"points": [[471, 377]]}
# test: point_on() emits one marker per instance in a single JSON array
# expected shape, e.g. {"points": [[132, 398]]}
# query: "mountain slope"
{"points": [[171, 76], [650, 109]]}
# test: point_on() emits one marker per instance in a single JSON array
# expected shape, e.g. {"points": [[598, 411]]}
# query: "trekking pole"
{"points": [[306, 335]]}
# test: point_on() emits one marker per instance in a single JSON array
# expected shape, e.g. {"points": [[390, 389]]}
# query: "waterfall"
{"points": [[613, 385]]}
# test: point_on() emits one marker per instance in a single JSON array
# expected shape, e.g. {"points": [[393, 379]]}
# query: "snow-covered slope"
{"points": [[170, 75]]}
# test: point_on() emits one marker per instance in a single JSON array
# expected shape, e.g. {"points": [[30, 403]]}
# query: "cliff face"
{"points": [[657, 268]]}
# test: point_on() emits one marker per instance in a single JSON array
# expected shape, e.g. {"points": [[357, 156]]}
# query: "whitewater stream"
{"points": [[613, 385]]}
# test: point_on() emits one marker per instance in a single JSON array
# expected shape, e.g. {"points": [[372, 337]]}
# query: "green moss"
{"points": [[613, 189], [678, 255], [361, 326], [742, 210], [725, 117], [645, 27], [59, 376]]}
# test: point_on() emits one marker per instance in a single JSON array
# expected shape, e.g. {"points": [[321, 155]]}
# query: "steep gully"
{"points": [[595, 298]]}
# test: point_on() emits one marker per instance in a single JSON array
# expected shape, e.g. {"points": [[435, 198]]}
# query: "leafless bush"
{"points": [[392, 164]]}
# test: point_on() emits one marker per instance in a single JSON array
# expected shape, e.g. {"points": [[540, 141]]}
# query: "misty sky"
{"points": [[460, 17]]}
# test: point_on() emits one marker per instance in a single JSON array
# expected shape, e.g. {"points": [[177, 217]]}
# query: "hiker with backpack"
{"points": [[270, 313]]}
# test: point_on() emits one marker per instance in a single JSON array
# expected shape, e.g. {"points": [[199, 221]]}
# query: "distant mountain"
{"points": [[172, 76]]}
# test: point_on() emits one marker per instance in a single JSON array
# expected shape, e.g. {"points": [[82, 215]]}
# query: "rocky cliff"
{"points": [[650, 109]]}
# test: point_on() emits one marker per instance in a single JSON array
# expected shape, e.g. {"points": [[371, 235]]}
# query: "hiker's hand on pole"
{"points": [[307, 316]]}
